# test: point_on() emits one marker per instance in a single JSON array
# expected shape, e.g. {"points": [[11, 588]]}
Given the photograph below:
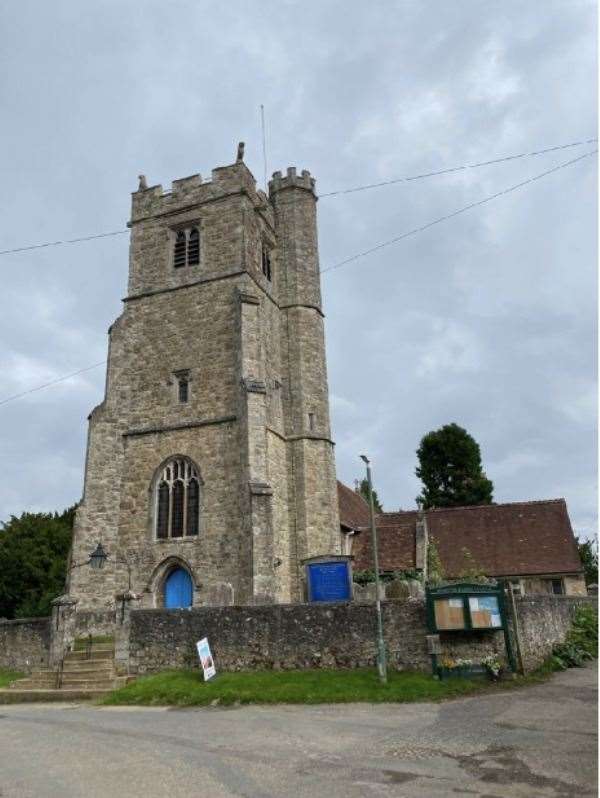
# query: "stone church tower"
{"points": [[211, 457]]}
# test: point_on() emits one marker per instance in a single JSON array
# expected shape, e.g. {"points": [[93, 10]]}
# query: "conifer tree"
{"points": [[450, 469]]}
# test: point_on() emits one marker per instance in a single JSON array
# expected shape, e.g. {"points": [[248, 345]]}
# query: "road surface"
{"points": [[536, 741]]}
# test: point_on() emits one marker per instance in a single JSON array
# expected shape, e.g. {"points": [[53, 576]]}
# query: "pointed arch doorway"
{"points": [[178, 590]]}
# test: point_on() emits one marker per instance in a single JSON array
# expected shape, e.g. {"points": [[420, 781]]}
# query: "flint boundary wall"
{"points": [[325, 635], [24, 644], [286, 636]]}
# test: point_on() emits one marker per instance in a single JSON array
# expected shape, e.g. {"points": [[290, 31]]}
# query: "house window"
{"points": [[266, 262], [556, 586], [186, 250], [177, 500], [311, 422]]}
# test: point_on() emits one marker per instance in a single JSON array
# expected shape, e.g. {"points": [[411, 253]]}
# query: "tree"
{"points": [[450, 469], [363, 489], [33, 562], [588, 554]]}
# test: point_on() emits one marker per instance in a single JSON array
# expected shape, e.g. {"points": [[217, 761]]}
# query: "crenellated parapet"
{"points": [[225, 180], [292, 180]]}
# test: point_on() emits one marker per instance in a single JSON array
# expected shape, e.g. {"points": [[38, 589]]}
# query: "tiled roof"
{"points": [[395, 540], [354, 511], [504, 539]]}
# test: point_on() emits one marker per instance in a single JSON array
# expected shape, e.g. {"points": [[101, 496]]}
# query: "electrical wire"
{"points": [[60, 243], [447, 216], [53, 382], [28, 247], [362, 254], [503, 159]]}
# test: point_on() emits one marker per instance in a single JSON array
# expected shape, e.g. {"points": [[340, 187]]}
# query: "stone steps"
{"points": [[18, 696], [86, 672], [88, 666]]}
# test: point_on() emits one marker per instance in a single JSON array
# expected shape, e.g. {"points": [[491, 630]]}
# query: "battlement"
{"points": [[292, 180], [185, 191]]}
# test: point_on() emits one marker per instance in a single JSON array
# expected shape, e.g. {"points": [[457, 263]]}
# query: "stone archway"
{"points": [[160, 576]]}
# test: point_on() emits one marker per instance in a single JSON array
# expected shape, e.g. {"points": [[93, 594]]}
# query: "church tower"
{"points": [[210, 472]]}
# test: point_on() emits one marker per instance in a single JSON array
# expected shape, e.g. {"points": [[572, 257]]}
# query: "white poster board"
{"points": [[206, 660]]}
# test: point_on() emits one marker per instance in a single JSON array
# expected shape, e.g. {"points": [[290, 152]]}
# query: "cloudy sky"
{"points": [[487, 319]]}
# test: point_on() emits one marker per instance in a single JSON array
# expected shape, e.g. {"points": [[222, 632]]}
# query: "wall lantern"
{"points": [[98, 557]]}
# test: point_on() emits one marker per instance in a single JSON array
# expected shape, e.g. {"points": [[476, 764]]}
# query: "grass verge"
{"points": [[187, 688], [6, 677]]}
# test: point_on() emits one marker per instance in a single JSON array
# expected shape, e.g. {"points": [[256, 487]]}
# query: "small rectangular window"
{"points": [[311, 422], [184, 389], [266, 262], [557, 587]]}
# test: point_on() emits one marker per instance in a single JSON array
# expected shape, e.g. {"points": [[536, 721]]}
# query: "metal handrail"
{"points": [[59, 673]]}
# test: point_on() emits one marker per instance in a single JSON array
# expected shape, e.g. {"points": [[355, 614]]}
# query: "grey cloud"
{"points": [[488, 319]]}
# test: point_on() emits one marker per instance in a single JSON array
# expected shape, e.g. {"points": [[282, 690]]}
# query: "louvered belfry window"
{"points": [[186, 250], [194, 247], [179, 257], [177, 500]]}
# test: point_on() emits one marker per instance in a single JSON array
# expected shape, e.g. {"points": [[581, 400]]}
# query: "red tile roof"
{"points": [[354, 511], [396, 543], [504, 539]]}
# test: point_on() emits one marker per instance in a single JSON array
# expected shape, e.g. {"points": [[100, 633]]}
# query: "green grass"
{"points": [[187, 688], [6, 677]]}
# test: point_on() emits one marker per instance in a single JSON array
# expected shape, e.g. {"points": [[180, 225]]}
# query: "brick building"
{"points": [[210, 471]]}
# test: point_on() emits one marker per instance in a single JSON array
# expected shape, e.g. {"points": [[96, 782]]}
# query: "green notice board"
{"points": [[468, 607]]}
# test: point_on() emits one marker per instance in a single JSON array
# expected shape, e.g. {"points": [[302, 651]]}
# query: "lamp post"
{"points": [[381, 656]]}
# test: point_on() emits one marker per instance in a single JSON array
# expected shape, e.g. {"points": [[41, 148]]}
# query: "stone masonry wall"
{"points": [[544, 622], [24, 644], [287, 636]]}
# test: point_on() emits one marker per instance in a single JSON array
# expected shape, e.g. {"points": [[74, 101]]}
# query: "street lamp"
{"points": [[381, 656]]}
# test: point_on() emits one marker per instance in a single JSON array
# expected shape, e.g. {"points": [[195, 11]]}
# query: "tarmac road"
{"points": [[536, 741]]}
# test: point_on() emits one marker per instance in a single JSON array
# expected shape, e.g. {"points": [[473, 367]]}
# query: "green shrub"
{"points": [[581, 643]]}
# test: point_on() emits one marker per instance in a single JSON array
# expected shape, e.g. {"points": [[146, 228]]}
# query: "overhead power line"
{"points": [[28, 247], [503, 159], [447, 216], [60, 243], [362, 254], [53, 382]]}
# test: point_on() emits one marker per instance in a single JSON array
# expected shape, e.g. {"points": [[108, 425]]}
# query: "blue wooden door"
{"points": [[178, 590]]}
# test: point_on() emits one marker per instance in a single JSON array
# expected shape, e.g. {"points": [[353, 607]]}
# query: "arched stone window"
{"points": [[186, 249], [177, 500]]}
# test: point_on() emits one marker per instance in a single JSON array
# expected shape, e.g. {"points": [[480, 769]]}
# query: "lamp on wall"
{"points": [[98, 557], [97, 560]]}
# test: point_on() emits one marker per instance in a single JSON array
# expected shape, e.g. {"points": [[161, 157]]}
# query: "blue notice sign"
{"points": [[329, 581]]}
